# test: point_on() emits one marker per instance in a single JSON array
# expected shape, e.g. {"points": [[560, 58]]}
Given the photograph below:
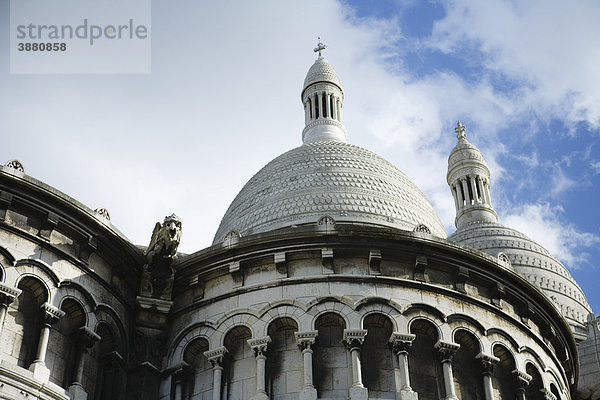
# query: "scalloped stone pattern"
{"points": [[462, 151], [533, 262], [321, 71], [337, 179]]}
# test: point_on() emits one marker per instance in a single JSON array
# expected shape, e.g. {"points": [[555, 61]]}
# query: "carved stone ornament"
{"points": [[401, 342], [231, 238], [487, 363], [446, 350], [306, 340], [216, 356], [15, 164], [354, 338], [522, 378], [422, 228], [504, 260], [50, 314], [8, 294], [259, 345], [158, 275], [103, 212], [87, 337]]}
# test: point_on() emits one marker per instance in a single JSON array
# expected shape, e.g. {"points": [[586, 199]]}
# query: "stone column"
{"points": [[305, 342], [474, 188], [487, 191], [49, 315], [401, 343], [328, 105], [7, 296], [85, 340], [312, 106], [260, 351], [446, 351], [320, 99], [463, 181], [481, 191], [306, 114], [523, 380], [459, 195], [335, 106], [215, 357], [340, 110], [354, 339], [487, 368]]}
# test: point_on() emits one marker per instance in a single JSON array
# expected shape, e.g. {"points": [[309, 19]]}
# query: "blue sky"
{"points": [[223, 99]]}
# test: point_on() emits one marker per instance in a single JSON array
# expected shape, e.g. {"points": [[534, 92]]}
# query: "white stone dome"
{"points": [[321, 71], [335, 179], [535, 263]]}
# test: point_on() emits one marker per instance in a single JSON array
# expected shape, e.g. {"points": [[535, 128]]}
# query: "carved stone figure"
{"points": [[158, 275]]}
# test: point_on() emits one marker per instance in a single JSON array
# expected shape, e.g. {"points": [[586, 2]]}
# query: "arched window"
{"points": [[331, 364], [111, 375], [284, 361], [468, 380], [425, 368], [63, 354], [377, 357], [26, 312], [240, 370], [503, 379], [198, 384], [554, 391], [534, 389]]}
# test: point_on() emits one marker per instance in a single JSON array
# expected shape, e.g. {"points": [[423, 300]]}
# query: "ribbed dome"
{"points": [[321, 71], [335, 179], [462, 152], [533, 262]]}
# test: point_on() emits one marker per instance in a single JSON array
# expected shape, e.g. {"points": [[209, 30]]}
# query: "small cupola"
{"points": [[469, 180], [322, 97]]}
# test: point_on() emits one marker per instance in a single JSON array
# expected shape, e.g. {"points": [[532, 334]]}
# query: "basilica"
{"points": [[330, 277]]}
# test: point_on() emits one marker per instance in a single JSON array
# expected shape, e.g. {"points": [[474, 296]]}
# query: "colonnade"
{"points": [[322, 104], [479, 188], [353, 339]]}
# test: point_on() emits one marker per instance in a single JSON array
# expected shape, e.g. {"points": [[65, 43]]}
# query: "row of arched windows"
{"points": [[332, 367]]}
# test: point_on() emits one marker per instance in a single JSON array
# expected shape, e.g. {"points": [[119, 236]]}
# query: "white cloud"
{"points": [[546, 225]]}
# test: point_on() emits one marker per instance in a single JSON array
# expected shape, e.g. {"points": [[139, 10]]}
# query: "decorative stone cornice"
{"points": [[216, 356], [446, 350], [259, 345], [522, 378], [401, 342], [487, 363], [50, 314], [306, 340], [8, 294], [354, 338]]}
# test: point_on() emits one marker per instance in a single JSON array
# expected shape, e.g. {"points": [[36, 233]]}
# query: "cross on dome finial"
{"points": [[460, 131], [320, 47]]}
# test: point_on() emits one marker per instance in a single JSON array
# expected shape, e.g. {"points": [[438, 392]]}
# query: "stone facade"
{"points": [[320, 300]]}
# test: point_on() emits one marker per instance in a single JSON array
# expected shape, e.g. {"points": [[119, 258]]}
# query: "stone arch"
{"points": [[377, 307], [466, 365], [336, 306], [197, 383], [425, 369], [533, 391], [496, 335], [237, 318], [436, 323], [527, 354], [460, 329], [110, 377], [6, 258], [37, 268], [198, 330], [284, 310], [81, 296], [239, 374], [105, 313], [467, 322], [554, 391], [331, 359], [556, 379]]}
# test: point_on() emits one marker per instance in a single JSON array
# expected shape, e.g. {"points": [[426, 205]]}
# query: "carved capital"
{"points": [[87, 337], [354, 338], [446, 350], [8, 294], [50, 314], [216, 356], [522, 379], [259, 345], [306, 339], [487, 363], [401, 342]]}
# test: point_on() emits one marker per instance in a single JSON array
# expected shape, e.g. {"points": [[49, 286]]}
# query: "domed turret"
{"points": [[468, 177], [477, 226], [322, 97]]}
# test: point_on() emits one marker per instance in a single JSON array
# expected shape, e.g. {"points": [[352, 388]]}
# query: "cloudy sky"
{"points": [[223, 99]]}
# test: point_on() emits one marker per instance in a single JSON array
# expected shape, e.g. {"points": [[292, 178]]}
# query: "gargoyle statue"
{"points": [[157, 274]]}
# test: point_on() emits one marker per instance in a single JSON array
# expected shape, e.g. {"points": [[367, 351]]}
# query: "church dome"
{"points": [[321, 71], [533, 262], [334, 179]]}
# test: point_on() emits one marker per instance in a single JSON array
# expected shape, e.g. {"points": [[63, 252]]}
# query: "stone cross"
{"points": [[460, 131], [320, 47]]}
